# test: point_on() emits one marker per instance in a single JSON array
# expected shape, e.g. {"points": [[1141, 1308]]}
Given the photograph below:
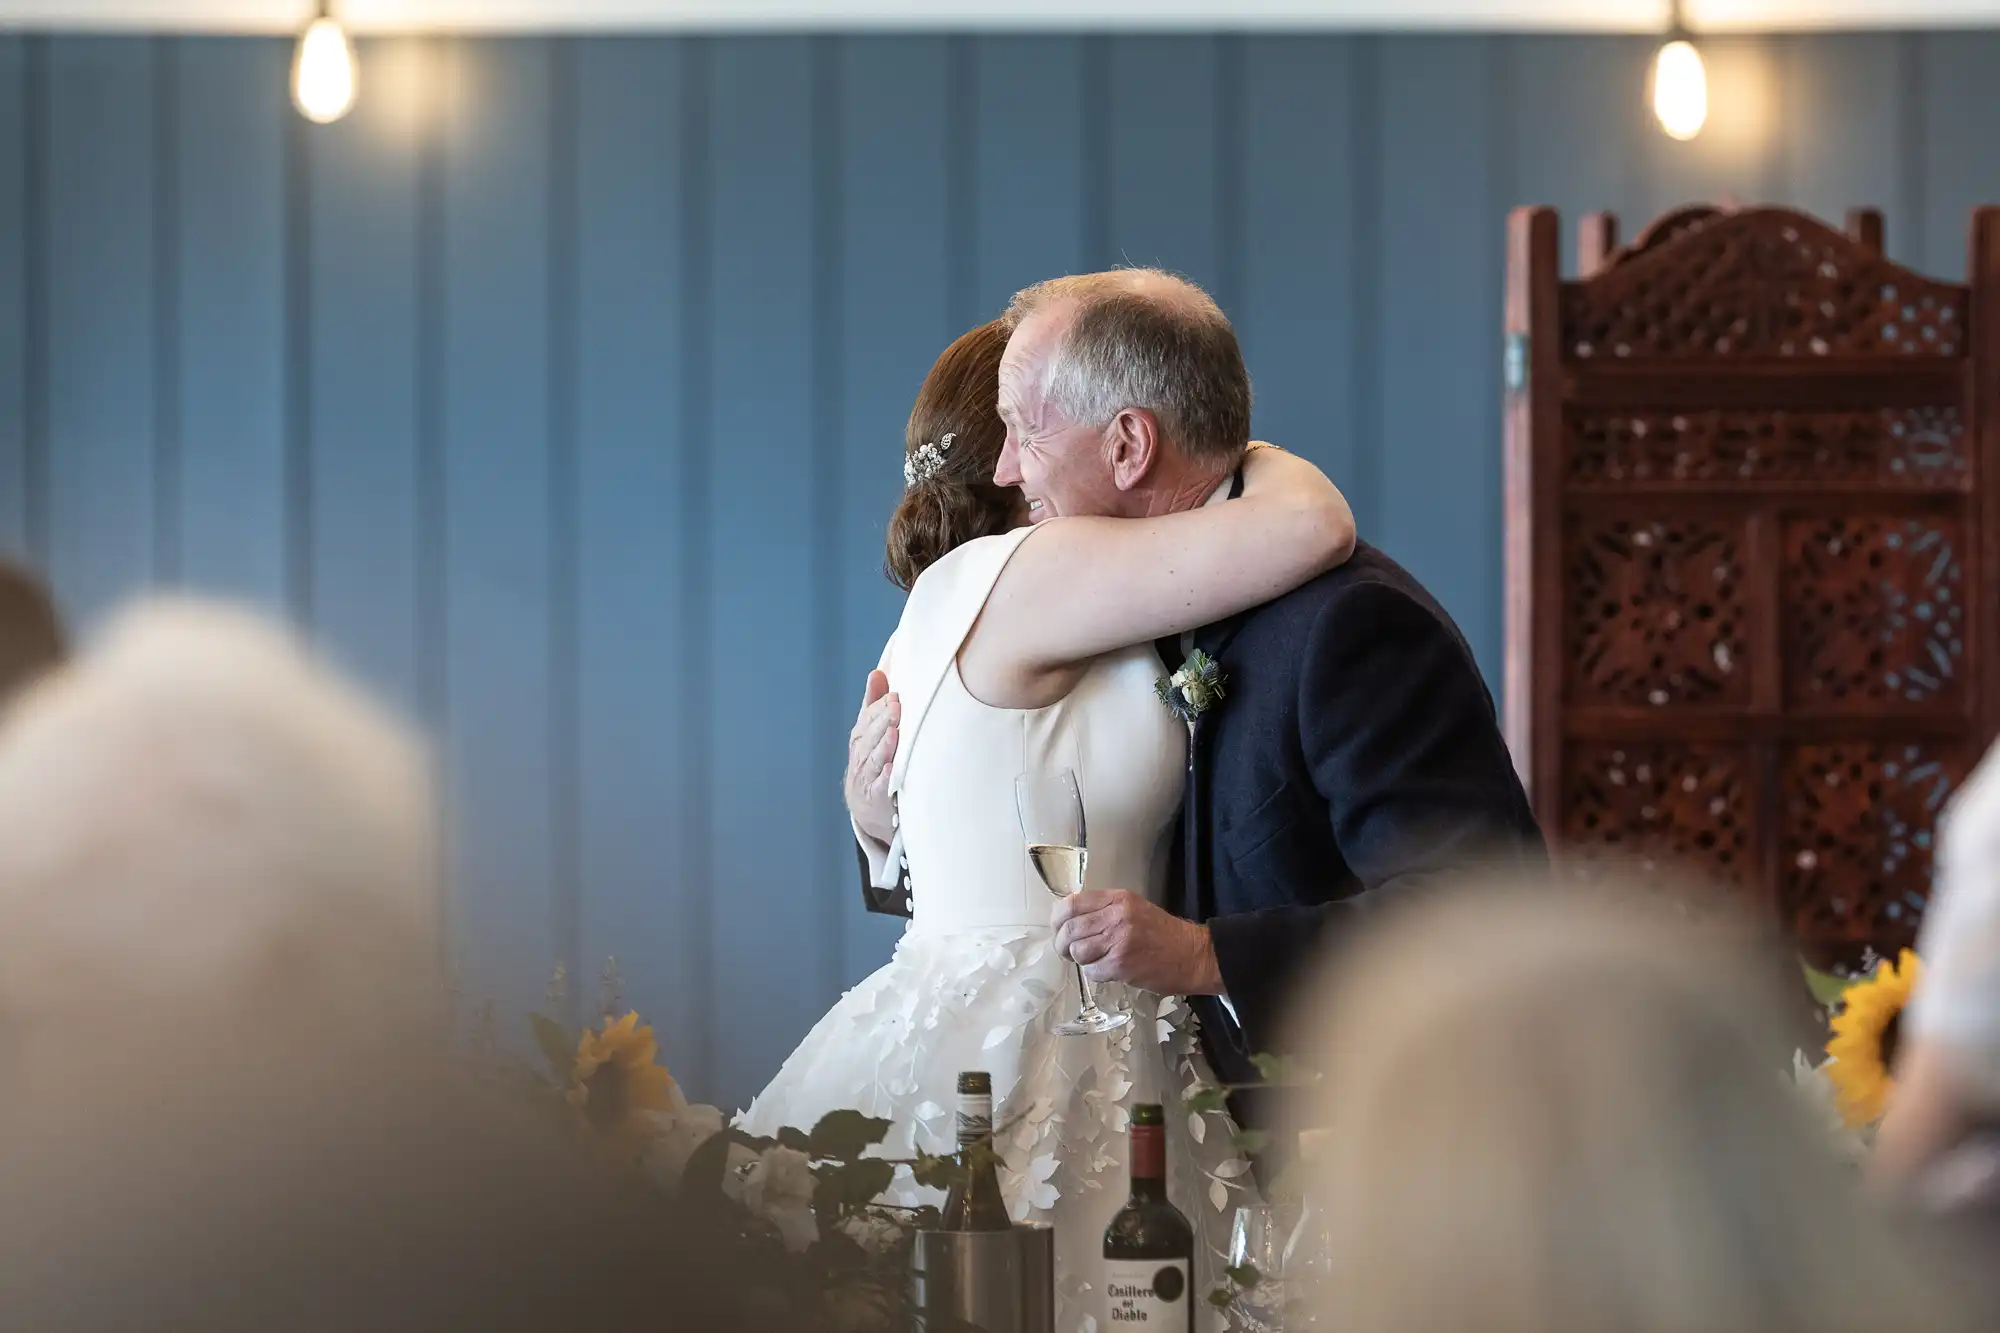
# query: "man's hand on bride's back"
{"points": [[871, 746], [1120, 936]]}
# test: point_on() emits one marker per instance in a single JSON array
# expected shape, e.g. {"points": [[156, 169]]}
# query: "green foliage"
{"points": [[939, 1173], [1250, 1142], [1827, 989], [856, 1184], [1283, 1071], [558, 1047], [845, 1135]]}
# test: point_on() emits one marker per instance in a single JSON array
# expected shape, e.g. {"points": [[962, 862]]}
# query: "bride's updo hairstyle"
{"points": [[949, 497]]}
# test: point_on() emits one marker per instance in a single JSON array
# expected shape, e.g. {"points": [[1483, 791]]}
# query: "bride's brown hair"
{"points": [[954, 501]]}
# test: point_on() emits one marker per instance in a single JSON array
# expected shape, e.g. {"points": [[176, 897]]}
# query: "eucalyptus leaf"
{"points": [[1283, 1070], [1245, 1276], [846, 1135], [1222, 1298], [861, 1181], [701, 1178], [1207, 1100], [558, 1047], [939, 1173], [1250, 1142], [1827, 989]]}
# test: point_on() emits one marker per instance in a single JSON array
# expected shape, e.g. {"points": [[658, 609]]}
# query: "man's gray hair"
{"points": [[1148, 339]]}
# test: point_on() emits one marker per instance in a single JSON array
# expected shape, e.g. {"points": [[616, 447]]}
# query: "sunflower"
{"points": [[1865, 1031], [618, 1074]]}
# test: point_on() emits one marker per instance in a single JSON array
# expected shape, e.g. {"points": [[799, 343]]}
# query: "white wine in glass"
{"points": [[1060, 867], [1051, 810]]}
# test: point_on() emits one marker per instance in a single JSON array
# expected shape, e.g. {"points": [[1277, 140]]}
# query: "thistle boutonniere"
{"points": [[1194, 689]]}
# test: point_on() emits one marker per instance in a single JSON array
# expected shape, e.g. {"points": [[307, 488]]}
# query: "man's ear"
{"points": [[1133, 441]]}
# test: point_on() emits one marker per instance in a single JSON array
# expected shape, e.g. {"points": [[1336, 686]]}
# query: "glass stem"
{"points": [[1087, 991]]}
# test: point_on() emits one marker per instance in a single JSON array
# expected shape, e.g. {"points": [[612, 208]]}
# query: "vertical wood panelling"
{"points": [[1294, 272], [100, 355], [1961, 125], [637, 642], [361, 331], [230, 521], [897, 246], [498, 523], [14, 260], [1441, 276], [1838, 118], [1162, 182], [762, 662], [1028, 218], [560, 388], [1578, 124]]}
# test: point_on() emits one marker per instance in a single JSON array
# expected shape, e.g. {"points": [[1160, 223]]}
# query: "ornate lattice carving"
{"points": [[1874, 611], [1656, 613], [1759, 283], [1858, 827], [1920, 448], [1660, 807]]}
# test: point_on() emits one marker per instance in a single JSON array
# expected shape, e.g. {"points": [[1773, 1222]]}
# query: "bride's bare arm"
{"points": [[1081, 587]]}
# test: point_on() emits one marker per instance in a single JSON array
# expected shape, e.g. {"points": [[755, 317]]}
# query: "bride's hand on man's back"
{"points": [[871, 747]]}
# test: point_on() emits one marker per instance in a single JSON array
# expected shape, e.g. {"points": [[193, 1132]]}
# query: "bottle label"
{"points": [[975, 1118], [1149, 1293]]}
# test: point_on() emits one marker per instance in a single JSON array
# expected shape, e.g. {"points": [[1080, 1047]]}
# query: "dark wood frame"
{"points": [[1555, 381]]}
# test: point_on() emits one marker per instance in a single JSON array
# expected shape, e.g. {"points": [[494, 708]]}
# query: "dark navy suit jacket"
{"points": [[1356, 753]]}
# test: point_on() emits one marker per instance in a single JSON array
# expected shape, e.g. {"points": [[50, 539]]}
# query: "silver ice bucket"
{"points": [[995, 1281]]}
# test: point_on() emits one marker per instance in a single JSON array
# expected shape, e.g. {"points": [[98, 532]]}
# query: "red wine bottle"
{"points": [[1149, 1246], [974, 1202]]}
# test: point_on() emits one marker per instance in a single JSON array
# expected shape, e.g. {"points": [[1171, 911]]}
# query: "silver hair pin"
{"points": [[923, 464]]}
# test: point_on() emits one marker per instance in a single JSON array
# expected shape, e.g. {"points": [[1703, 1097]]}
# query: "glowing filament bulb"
{"points": [[323, 74], [1680, 90]]}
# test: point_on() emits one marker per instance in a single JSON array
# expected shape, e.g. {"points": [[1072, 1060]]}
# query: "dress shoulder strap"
{"points": [[940, 613]]}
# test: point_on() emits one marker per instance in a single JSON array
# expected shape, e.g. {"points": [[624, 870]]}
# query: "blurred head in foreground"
{"points": [[228, 1099], [31, 637], [195, 815], [1568, 1112]]}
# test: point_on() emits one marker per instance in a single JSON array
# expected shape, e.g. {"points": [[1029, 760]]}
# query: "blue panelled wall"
{"points": [[559, 389]]}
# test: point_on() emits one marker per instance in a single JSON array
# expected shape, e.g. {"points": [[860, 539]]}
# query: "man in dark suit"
{"points": [[1353, 751]]}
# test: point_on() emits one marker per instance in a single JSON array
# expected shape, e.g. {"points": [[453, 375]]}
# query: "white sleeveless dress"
{"points": [[976, 981]]}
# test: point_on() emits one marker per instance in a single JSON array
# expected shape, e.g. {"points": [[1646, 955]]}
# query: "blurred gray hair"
{"points": [[232, 1099], [1568, 1109], [1144, 338], [198, 815]]}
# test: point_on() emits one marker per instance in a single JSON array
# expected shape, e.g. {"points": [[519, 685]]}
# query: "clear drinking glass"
{"points": [[1258, 1241], [1308, 1267], [1051, 810]]}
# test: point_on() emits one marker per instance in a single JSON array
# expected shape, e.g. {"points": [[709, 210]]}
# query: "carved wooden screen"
{"points": [[1753, 545]]}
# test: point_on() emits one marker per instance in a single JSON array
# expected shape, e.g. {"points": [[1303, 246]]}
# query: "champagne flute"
{"points": [[1257, 1241], [1051, 810]]}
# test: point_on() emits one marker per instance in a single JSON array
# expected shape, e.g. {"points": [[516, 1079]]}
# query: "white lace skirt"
{"points": [[985, 999]]}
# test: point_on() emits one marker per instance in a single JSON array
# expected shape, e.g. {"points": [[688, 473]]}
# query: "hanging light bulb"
{"points": [[1680, 89], [1680, 83], [324, 77]]}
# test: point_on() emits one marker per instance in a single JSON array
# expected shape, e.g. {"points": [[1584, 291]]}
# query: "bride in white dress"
{"points": [[1057, 674]]}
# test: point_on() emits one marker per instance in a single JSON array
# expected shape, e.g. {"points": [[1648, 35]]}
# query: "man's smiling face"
{"points": [[1061, 466]]}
